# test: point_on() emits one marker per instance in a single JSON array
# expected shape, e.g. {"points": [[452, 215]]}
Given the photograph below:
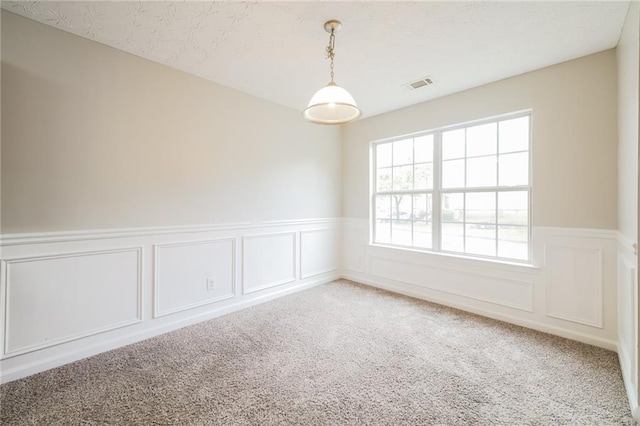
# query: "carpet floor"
{"points": [[337, 354]]}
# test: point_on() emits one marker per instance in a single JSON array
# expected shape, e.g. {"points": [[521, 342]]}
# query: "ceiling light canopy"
{"points": [[332, 104]]}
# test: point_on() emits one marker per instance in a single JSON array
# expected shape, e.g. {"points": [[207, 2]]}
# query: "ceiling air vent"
{"points": [[423, 82]]}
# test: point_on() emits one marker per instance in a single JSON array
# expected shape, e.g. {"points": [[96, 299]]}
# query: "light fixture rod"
{"points": [[332, 26]]}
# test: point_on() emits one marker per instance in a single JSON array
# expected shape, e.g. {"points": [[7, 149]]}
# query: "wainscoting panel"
{"points": [[568, 289], [572, 272], [68, 295], [269, 260], [355, 235], [55, 299], [319, 252], [193, 274]]}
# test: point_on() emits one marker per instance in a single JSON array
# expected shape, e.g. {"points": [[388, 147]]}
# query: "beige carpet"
{"points": [[337, 354]]}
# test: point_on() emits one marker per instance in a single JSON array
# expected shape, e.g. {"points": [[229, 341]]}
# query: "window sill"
{"points": [[454, 261]]}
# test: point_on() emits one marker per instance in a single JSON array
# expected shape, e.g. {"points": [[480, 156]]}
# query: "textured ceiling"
{"points": [[275, 50]]}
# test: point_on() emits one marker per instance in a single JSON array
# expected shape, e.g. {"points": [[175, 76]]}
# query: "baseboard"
{"points": [[417, 292], [8, 375], [628, 384]]}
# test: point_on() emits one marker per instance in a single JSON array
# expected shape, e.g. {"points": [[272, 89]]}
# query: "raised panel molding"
{"points": [[188, 267], [575, 284], [49, 290], [268, 260], [318, 254]]}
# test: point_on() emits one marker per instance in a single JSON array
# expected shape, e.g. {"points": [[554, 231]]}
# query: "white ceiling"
{"points": [[276, 50]]}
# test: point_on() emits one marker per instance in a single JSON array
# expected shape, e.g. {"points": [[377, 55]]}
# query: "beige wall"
{"points": [[574, 138], [628, 97], [94, 138]]}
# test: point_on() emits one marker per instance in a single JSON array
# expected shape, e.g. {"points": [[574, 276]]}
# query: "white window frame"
{"points": [[437, 191]]}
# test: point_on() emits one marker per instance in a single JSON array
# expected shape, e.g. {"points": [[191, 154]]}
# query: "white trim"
{"points": [[8, 375], [414, 291], [6, 284], [157, 313], [626, 245], [454, 260], [299, 222], [65, 236], [632, 394], [287, 280], [608, 234]]}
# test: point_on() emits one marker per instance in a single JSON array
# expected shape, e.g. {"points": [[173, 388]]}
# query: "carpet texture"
{"points": [[338, 354]]}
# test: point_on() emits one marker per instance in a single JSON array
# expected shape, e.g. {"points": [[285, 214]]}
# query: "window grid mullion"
{"points": [[391, 197], [464, 197], [486, 189], [436, 210], [497, 181], [413, 184]]}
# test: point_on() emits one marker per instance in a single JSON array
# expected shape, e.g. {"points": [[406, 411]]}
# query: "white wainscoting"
{"points": [[628, 333], [572, 271], [568, 290], [192, 274], [317, 253], [66, 296], [49, 300], [269, 260]]}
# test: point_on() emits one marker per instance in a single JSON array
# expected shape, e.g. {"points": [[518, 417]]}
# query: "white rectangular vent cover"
{"points": [[423, 82]]}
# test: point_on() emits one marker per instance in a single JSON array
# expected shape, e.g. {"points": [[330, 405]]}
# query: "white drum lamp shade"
{"points": [[331, 105]]}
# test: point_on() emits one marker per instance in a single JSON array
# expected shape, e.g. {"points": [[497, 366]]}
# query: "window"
{"points": [[462, 189]]}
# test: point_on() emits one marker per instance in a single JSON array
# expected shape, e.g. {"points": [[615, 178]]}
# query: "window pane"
{"points": [[482, 140], [422, 226], [512, 242], [514, 135], [401, 207], [383, 206], [480, 239], [401, 219], [383, 231], [453, 174], [453, 237], [514, 169], [423, 149], [422, 235], [423, 176], [403, 152], [383, 219], [401, 232], [481, 208], [383, 155], [383, 179], [402, 178], [513, 208], [453, 207], [453, 144], [481, 171]]}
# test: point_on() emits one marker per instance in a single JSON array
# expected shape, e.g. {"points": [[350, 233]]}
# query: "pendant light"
{"points": [[331, 104]]}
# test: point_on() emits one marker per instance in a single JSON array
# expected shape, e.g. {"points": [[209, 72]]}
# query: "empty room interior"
{"points": [[257, 213]]}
